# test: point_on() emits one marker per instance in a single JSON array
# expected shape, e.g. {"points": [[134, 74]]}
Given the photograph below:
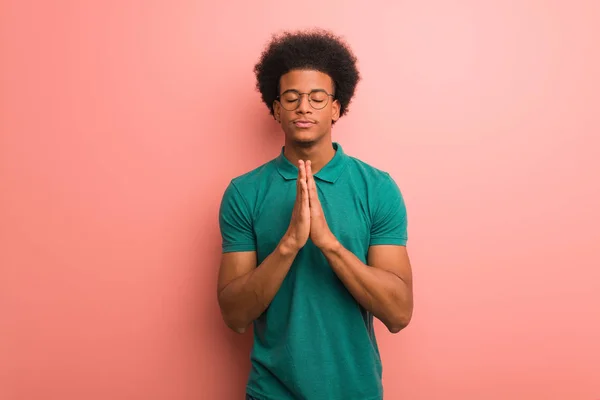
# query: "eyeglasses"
{"points": [[290, 99]]}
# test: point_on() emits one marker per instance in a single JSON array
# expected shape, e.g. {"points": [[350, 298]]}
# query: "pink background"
{"points": [[122, 122]]}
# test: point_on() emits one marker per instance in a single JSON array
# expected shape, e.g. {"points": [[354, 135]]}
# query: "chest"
{"points": [[345, 208]]}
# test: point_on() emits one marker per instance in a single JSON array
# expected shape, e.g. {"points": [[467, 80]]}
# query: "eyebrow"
{"points": [[296, 90]]}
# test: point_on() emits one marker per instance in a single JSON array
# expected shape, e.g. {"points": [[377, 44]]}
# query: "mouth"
{"points": [[303, 123]]}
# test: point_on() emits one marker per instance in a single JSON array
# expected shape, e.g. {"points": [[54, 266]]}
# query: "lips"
{"points": [[303, 123]]}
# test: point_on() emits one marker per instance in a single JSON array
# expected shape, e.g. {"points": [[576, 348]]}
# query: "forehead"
{"points": [[305, 81]]}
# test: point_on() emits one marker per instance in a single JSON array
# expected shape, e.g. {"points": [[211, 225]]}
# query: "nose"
{"points": [[303, 105]]}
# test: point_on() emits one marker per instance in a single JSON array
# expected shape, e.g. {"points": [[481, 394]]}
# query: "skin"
{"points": [[383, 286], [313, 143]]}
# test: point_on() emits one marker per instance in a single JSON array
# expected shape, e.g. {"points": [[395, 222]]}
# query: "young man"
{"points": [[314, 240]]}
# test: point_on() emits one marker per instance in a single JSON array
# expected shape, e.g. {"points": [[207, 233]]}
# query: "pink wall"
{"points": [[122, 121]]}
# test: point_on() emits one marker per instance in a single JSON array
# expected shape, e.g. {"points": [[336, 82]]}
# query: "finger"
{"points": [[302, 170], [309, 175], [304, 192], [310, 182], [299, 180]]}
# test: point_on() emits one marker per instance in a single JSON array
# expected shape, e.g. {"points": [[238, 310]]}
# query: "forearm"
{"points": [[381, 292], [244, 299]]}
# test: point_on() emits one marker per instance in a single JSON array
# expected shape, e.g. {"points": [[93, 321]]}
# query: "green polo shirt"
{"points": [[314, 341]]}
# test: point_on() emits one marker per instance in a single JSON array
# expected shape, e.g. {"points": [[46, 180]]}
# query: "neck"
{"points": [[319, 153]]}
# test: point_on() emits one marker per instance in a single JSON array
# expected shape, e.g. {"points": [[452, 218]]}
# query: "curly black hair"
{"points": [[318, 50]]}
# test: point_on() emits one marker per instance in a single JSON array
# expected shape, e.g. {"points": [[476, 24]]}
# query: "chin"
{"points": [[304, 137], [305, 141]]}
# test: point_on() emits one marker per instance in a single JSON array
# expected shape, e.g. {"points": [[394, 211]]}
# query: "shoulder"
{"points": [[252, 180], [377, 185], [374, 177], [239, 197]]}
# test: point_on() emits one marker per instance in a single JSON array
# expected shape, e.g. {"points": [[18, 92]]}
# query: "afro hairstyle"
{"points": [[317, 50]]}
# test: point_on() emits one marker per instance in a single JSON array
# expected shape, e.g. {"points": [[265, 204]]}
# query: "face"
{"points": [[311, 120]]}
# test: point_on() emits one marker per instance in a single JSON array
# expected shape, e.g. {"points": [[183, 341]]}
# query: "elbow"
{"points": [[234, 322], [237, 329], [397, 326], [236, 326], [399, 322], [232, 317]]}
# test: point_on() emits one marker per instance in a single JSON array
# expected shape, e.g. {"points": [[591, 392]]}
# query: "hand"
{"points": [[299, 229], [320, 234]]}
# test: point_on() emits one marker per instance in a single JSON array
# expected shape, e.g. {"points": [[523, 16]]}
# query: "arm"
{"points": [[383, 287], [244, 291]]}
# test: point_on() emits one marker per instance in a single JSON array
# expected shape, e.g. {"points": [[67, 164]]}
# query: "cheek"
{"points": [[327, 116], [285, 116]]}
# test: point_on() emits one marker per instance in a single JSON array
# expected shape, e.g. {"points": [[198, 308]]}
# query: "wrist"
{"points": [[332, 245], [287, 247]]}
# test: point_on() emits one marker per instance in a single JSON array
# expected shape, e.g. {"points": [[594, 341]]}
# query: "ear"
{"points": [[335, 110], [276, 111]]}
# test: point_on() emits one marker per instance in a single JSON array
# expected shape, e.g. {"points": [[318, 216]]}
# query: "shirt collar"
{"points": [[329, 173]]}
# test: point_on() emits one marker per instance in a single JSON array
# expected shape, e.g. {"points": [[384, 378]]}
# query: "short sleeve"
{"points": [[389, 222], [235, 222]]}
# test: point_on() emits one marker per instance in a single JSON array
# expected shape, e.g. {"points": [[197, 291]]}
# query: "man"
{"points": [[314, 240]]}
